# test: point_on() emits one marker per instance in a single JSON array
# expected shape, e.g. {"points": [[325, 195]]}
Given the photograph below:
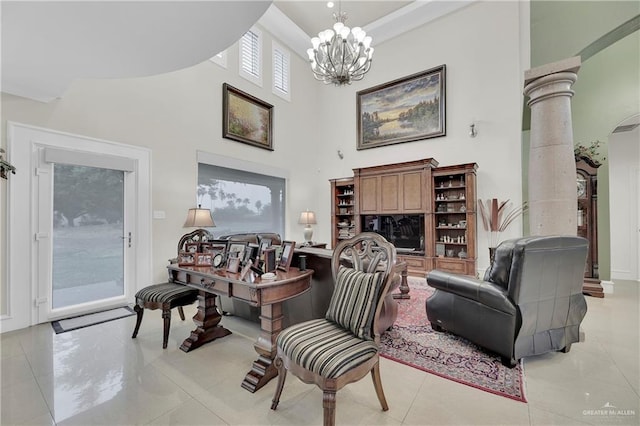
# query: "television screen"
{"points": [[405, 232]]}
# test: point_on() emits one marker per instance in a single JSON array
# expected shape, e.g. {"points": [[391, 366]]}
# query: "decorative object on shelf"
{"points": [[246, 118], [307, 218], [496, 217], [340, 55], [5, 166], [404, 110], [590, 153]]}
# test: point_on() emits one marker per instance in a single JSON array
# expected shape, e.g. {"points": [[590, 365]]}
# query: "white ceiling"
{"points": [[313, 16], [48, 44]]}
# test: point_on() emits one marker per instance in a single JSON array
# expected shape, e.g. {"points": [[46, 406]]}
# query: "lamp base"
{"points": [[308, 233]]}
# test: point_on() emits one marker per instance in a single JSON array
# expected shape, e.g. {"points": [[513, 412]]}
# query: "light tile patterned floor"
{"points": [[99, 375]]}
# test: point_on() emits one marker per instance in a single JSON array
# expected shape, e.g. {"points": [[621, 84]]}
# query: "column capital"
{"points": [[571, 65]]}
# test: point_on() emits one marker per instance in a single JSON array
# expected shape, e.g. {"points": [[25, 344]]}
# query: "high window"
{"points": [[281, 79], [241, 201], [251, 56]]}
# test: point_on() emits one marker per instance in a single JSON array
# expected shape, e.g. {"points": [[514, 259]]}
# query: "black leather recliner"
{"points": [[530, 301]]}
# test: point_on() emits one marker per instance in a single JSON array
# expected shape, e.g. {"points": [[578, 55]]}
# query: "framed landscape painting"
{"points": [[404, 110], [246, 118]]}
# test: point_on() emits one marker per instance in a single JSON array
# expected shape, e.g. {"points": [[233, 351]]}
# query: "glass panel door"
{"points": [[88, 239]]}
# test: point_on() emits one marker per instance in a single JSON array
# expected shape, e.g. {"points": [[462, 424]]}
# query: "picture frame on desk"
{"points": [[250, 253], [270, 262], [287, 255], [264, 244], [216, 247], [204, 259], [245, 270], [186, 258], [192, 247], [233, 265], [236, 249]]}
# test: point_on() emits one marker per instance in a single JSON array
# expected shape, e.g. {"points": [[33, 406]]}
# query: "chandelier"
{"points": [[340, 55]]}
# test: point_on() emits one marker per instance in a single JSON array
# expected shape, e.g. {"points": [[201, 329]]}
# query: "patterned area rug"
{"points": [[413, 342]]}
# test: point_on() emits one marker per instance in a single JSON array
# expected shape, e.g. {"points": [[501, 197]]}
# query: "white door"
{"points": [[88, 235], [79, 225], [85, 231]]}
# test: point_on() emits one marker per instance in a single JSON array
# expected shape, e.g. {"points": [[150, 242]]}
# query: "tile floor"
{"points": [[99, 375]]}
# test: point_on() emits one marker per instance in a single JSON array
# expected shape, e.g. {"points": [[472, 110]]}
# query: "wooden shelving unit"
{"points": [[343, 210], [454, 207], [436, 205]]}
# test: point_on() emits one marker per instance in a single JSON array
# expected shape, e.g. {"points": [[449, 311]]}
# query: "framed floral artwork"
{"points": [[246, 118]]}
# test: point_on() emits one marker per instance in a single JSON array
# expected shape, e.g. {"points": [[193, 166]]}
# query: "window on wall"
{"points": [[241, 201], [220, 59], [281, 79], [251, 56]]}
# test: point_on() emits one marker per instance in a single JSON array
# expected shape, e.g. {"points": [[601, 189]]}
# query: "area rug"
{"points": [[62, 326], [413, 342]]}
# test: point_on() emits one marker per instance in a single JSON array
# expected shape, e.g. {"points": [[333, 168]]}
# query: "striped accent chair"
{"points": [[342, 347], [164, 296]]}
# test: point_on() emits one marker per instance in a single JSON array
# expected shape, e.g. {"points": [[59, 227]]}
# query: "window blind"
{"points": [[241, 201], [250, 53], [281, 70]]}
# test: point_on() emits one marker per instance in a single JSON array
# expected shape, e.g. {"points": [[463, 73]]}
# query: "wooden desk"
{"points": [[266, 294]]}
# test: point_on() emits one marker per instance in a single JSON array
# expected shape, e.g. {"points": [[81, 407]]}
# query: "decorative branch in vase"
{"points": [[496, 217]]}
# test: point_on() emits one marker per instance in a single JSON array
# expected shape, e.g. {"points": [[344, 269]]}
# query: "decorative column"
{"points": [[552, 168]]}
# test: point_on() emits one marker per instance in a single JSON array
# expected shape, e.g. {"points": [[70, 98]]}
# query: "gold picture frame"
{"points": [[404, 110], [246, 118]]}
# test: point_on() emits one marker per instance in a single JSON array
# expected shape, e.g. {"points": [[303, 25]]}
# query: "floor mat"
{"points": [[88, 320]]}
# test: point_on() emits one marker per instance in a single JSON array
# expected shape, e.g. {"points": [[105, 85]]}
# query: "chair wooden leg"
{"points": [[181, 312], [139, 312], [329, 406], [282, 375], [377, 384], [166, 316]]}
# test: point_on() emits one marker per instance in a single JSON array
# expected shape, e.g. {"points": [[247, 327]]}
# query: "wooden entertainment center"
{"points": [[428, 212]]}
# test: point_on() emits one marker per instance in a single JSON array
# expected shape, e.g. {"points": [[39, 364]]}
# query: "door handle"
{"points": [[128, 238]]}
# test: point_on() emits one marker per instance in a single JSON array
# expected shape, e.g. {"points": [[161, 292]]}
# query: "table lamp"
{"points": [[307, 218], [199, 218]]}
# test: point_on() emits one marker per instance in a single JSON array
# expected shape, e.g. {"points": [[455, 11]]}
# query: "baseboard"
{"points": [[607, 286]]}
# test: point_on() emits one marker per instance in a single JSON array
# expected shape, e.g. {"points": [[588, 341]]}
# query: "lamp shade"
{"points": [[199, 218], [307, 218]]}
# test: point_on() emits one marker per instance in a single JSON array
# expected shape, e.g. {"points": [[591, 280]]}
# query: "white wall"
{"points": [[624, 175], [481, 49], [179, 113]]}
